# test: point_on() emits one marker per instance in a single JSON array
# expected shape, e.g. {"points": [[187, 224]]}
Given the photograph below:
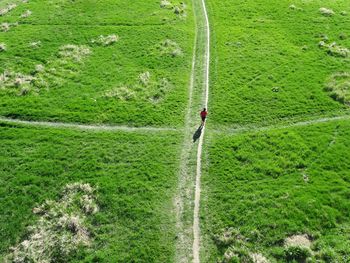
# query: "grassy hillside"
{"points": [[268, 63], [278, 194], [81, 61], [134, 174], [265, 187]]}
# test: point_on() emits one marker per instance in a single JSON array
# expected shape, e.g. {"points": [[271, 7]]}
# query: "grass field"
{"points": [[112, 62], [279, 195], [134, 174], [268, 186], [275, 182], [95, 13], [140, 79], [268, 65]]}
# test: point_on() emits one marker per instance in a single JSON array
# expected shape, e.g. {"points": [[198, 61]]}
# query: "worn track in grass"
{"points": [[88, 127], [196, 223], [252, 128]]}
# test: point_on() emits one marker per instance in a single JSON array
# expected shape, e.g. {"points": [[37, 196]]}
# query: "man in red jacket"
{"points": [[204, 114]]}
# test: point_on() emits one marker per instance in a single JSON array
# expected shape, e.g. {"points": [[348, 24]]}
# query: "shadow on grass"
{"points": [[198, 133]]}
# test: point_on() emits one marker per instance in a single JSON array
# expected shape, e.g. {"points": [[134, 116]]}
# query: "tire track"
{"points": [[181, 198]]}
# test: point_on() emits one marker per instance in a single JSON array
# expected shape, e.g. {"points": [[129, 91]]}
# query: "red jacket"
{"points": [[204, 113]]}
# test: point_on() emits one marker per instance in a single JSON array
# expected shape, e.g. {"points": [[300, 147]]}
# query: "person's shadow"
{"points": [[198, 133]]}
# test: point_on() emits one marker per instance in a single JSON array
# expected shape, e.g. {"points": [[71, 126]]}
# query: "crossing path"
{"points": [[88, 127]]}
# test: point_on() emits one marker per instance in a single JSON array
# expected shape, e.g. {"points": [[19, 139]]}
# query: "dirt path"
{"points": [[187, 198], [196, 223], [87, 127]]}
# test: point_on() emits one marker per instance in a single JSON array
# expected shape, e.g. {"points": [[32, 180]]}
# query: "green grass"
{"points": [[255, 184], [267, 65], [80, 95], [262, 187], [136, 176], [89, 12]]}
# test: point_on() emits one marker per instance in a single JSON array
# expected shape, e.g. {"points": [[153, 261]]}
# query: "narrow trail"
{"points": [[87, 127], [196, 223], [244, 129], [187, 199]]}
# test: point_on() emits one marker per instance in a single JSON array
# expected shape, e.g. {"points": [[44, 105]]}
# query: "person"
{"points": [[204, 114]]}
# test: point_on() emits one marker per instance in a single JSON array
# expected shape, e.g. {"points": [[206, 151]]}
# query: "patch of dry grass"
{"points": [[39, 68], [4, 27], [74, 52], [334, 49], [53, 73], [236, 247], [298, 241], [26, 14], [121, 93], [326, 11], [35, 44], [144, 78], [338, 51], [258, 258], [228, 236], [166, 4], [16, 81], [162, 87], [106, 40], [61, 229], [7, 9], [169, 47], [178, 9], [2, 47], [298, 248], [294, 7], [145, 88], [338, 87]]}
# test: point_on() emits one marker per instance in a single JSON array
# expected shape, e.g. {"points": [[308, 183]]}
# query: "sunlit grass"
{"points": [[134, 176]]}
